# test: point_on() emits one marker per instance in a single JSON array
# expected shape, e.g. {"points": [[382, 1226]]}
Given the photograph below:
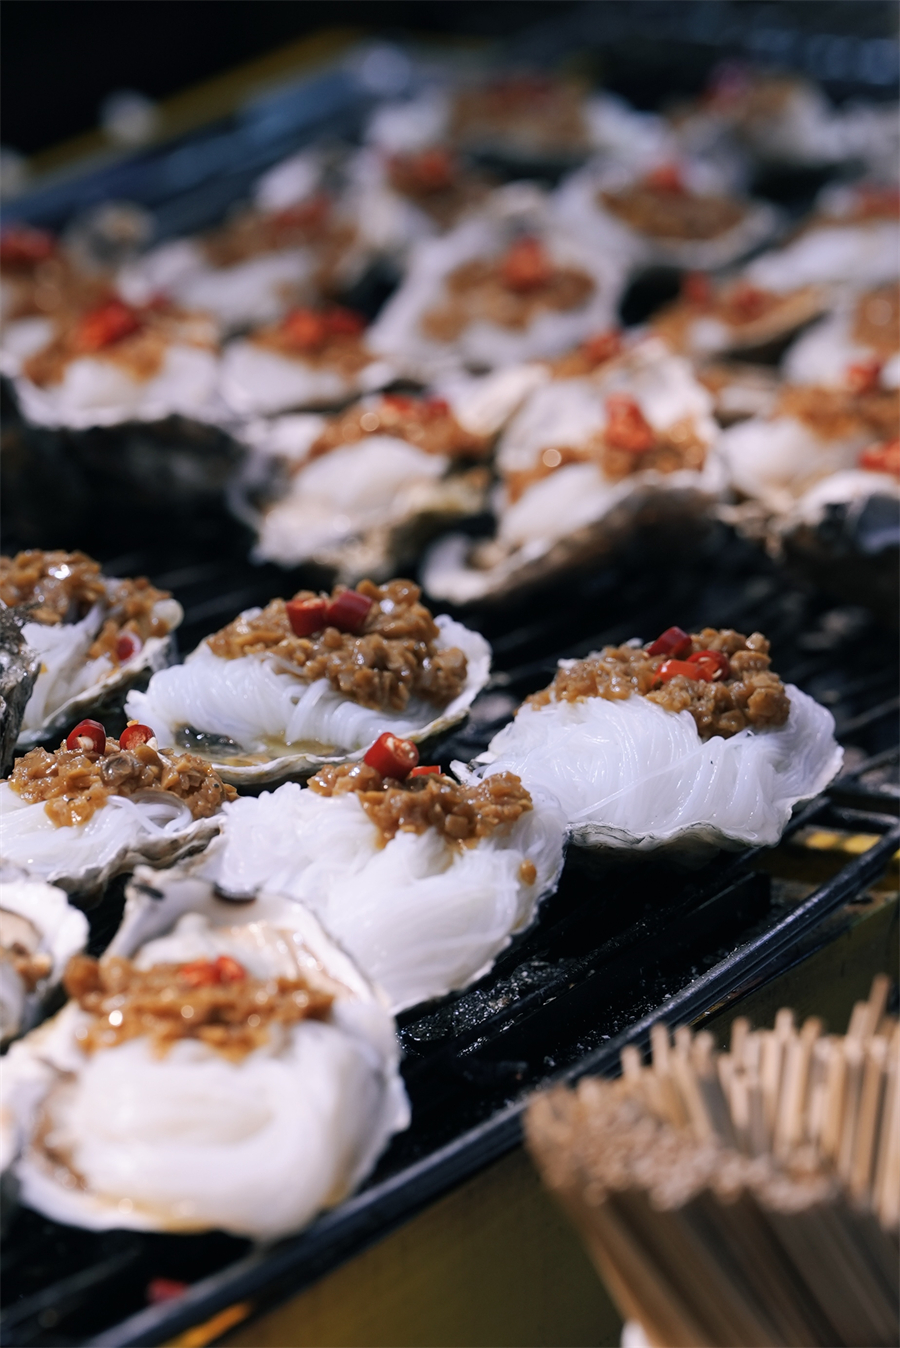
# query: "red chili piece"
{"points": [[748, 301], [673, 641], [206, 973], [673, 667], [164, 1289], [392, 756], [88, 736], [104, 326], [863, 376], [433, 168], [305, 214], [343, 322], [306, 615], [626, 425], [425, 771], [22, 246], [602, 347], [666, 178], [696, 289], [398, 402], [127, 645], [304, 329], [436, 407], [713, 665], [883, 458], [135, 734], [348, 611], [526, 265]]}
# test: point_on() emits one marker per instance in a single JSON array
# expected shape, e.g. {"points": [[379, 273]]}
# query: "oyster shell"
{"points": [[19, 667], [37, 923], [255, 1147], [281, 761]]}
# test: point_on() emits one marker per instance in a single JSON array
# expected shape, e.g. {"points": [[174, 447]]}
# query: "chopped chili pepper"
{"points": [[436, 407], [127, 645], [305, 329], [879, 201], [696, 289], [712, 664], [88, 736], [666, 178], [398, 403], [228, 970], [434, 169], [863, 376], [626, 426], [343, 322], [305, 214], [673, 641], [348, 611], [526, 265], [392, 756], [306, 615], [165, 1289], [669, 670], [22, 246], [746, 300], [104, 326], [603, 347], [883, 458], [425, 771], [199, 973], [135, 734]]}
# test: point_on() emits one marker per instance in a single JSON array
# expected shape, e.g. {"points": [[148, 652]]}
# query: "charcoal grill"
{"points": [[609, 954]]}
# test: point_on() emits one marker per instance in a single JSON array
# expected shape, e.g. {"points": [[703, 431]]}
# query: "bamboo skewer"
{"points": [[748, 1197]]}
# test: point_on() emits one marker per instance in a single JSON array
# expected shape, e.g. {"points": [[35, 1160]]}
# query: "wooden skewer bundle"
{"points": [[742, 1198]]}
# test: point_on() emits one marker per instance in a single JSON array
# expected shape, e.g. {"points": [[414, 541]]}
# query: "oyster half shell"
{"points": [[18, 671], [37, 922], [156, 653]]}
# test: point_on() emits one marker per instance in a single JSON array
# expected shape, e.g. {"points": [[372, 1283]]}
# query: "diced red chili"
{"points": [[672, 667], [88, 736], [307, 615], [343, 322], [399, 403], [673, 641], [199, 973], [883, 458], [228, 970], [879, 201], [747, 301], [164, 1289], [666, 178], [526, 266], [305, 214], [602, 347], [433, 168], [863, 376], [135, 734], [348, 611], [626, 426], [696, 289], [22, 246], [392, 756], [425, 771], [436, 407], [104, 326], [127, 645], [305, 329], [713, 665]]}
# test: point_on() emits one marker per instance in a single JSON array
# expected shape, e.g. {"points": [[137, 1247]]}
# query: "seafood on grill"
{"points": [[223, 1067], [94, 635], [422, 880], [281, 691], [689, 742]]}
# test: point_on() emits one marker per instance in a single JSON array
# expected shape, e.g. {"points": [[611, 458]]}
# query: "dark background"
{"points": [[60, 58]]}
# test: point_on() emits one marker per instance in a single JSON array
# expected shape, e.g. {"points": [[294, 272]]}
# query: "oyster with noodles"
{"points": [[94, 635], [222, 1067], [97, 806], [282, 690]]}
